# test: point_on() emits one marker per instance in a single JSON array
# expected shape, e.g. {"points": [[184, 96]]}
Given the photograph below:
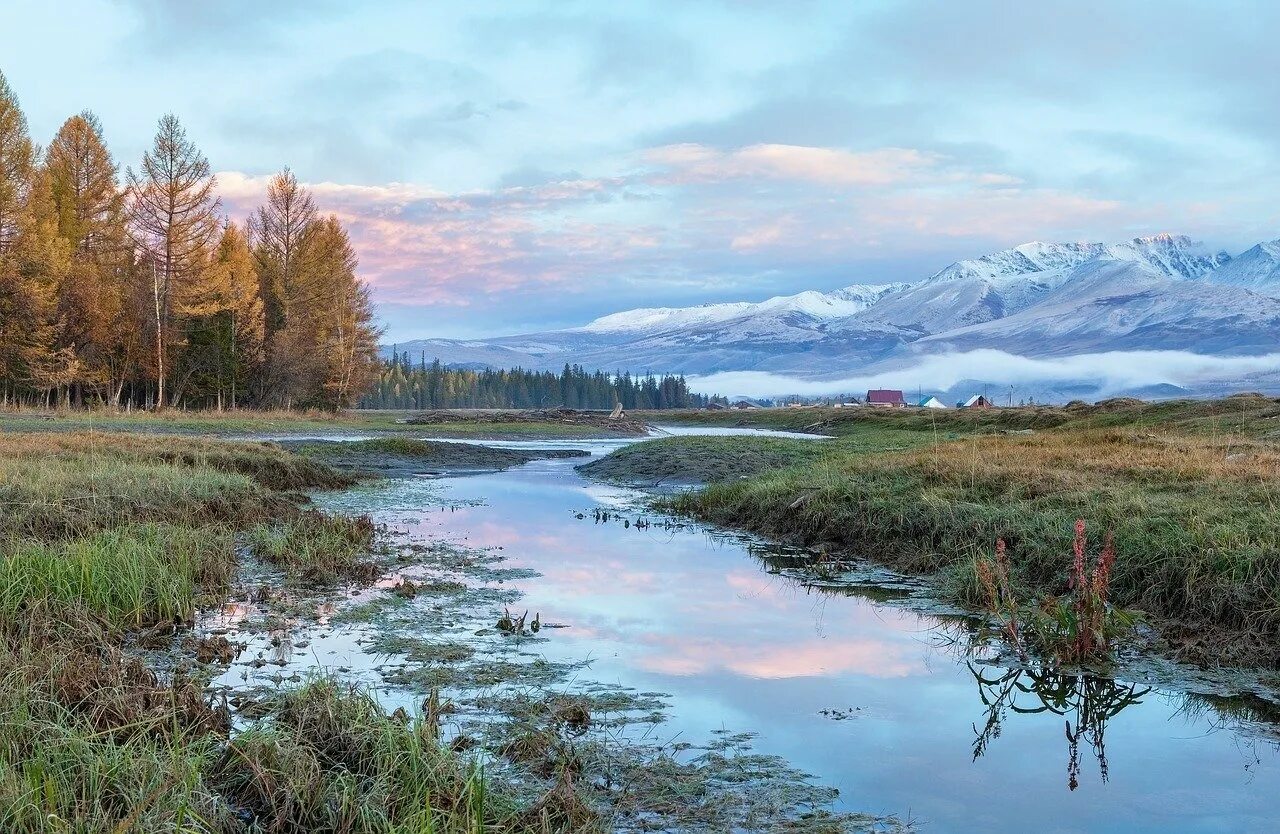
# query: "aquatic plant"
{"points": [[1082, 626]]}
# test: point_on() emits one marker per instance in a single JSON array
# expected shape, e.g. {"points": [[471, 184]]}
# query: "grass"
{"points": [[177, 421], [54, 485], [317, 546], [478, 425], [129, 576], [701, 459], [1251, 415], [407, 455], [1191, 491], [105, 534], [332, 760]]}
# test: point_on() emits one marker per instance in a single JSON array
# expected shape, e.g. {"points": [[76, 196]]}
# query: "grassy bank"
{"points": [[700, 460], [1189, 489], [406, 456], [1245, 414], [477, 425], [111, 541]]}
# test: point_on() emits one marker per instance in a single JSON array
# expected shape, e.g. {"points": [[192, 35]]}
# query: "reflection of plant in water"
{"points": [[1087, 702]]}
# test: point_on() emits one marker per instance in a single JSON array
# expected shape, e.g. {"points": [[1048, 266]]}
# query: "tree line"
{"points": [[139, 291], [403, 383]]}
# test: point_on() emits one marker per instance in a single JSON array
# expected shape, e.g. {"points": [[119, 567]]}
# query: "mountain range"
{"points": [[1036, 300]]}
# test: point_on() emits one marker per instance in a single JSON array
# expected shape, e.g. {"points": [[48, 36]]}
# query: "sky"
{"points": [[520, 166]]}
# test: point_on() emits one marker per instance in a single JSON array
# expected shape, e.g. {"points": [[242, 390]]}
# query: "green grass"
{"points": [[275, 423], [332, 760], [316, 546], [700, 459], [1246, 414], [129, 576], [1192, 503], [78, 484], [408, 455]]}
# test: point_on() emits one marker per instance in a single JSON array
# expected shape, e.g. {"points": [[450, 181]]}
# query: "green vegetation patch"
{"points": [[54, 485], [686, 460], [317, 546], [131, 575]]}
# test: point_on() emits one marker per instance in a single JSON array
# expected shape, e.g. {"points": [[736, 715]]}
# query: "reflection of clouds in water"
{"points": [[755, 658]]}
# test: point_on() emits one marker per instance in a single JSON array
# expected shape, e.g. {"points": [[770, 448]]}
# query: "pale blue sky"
{"points": [[517, 165]]}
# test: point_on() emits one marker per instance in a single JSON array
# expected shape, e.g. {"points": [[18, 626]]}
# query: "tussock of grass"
{"points": [[129, 576], [1195, 518], [332, 760], [315, 545], [93, 740]]}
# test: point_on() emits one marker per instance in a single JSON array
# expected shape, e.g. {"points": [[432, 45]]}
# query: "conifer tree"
{"points": [[17, 156], [89, 207], [173, 218]]}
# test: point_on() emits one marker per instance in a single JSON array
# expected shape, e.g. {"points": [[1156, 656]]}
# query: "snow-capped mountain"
{"points": [[1258, 269], [1164, 292], [812, 305]]}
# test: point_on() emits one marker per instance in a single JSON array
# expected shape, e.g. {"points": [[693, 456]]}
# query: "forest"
{"points": [[138, 291], [404, 383]]}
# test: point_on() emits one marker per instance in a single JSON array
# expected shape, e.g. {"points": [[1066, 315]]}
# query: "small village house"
{"points": [[930, 402], [976, 401], [885, 398]]}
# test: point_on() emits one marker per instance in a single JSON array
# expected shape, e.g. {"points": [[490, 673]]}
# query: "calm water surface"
{"points": [[863, 694]]}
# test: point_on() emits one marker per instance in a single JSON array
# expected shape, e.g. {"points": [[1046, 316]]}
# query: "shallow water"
{"points": [[865, 694]]}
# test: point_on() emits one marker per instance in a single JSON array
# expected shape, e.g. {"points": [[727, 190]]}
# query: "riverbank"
{"points": [[551, 424], [1187, 488], [685, 461], [150, 587]]}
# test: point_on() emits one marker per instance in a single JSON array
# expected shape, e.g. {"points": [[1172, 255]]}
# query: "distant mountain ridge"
{"points": [[1163, 292]]}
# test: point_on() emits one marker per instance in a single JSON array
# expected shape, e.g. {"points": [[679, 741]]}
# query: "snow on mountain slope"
{"points": [[1037, 299], [1124, 305], [1258, 269], [811, 304], [1003, 283]]}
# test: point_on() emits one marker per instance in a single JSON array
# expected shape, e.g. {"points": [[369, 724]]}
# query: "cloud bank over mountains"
{"points": [[1101, 374]]}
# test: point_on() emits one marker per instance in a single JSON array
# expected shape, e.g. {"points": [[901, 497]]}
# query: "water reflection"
{"points": [[763, 644], [1086, 703]]}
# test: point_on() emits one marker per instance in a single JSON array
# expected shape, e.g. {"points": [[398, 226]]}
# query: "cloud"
{"points": [[1111, 372], [693, 163]]}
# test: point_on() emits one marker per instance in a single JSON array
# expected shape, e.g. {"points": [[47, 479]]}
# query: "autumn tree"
{"points": [[17, 156], [89, 207], [173, 219], [346, 337], [17, 298], [226, 329], [38, 263]]}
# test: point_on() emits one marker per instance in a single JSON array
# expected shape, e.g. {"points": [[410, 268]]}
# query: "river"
{"points": [[845, 680]]}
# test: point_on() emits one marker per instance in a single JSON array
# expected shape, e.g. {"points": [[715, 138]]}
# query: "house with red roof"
{"points": [[885, 398]]}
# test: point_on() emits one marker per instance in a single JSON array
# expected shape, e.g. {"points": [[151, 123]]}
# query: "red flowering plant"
{"points": [[1081, 626]]}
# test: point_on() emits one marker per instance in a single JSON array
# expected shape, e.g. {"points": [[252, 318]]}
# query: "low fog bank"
{"points": [[1004, 376]]}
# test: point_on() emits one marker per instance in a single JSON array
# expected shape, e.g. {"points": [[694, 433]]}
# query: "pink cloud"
{"points": [[686, 215], [680, 655]]}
